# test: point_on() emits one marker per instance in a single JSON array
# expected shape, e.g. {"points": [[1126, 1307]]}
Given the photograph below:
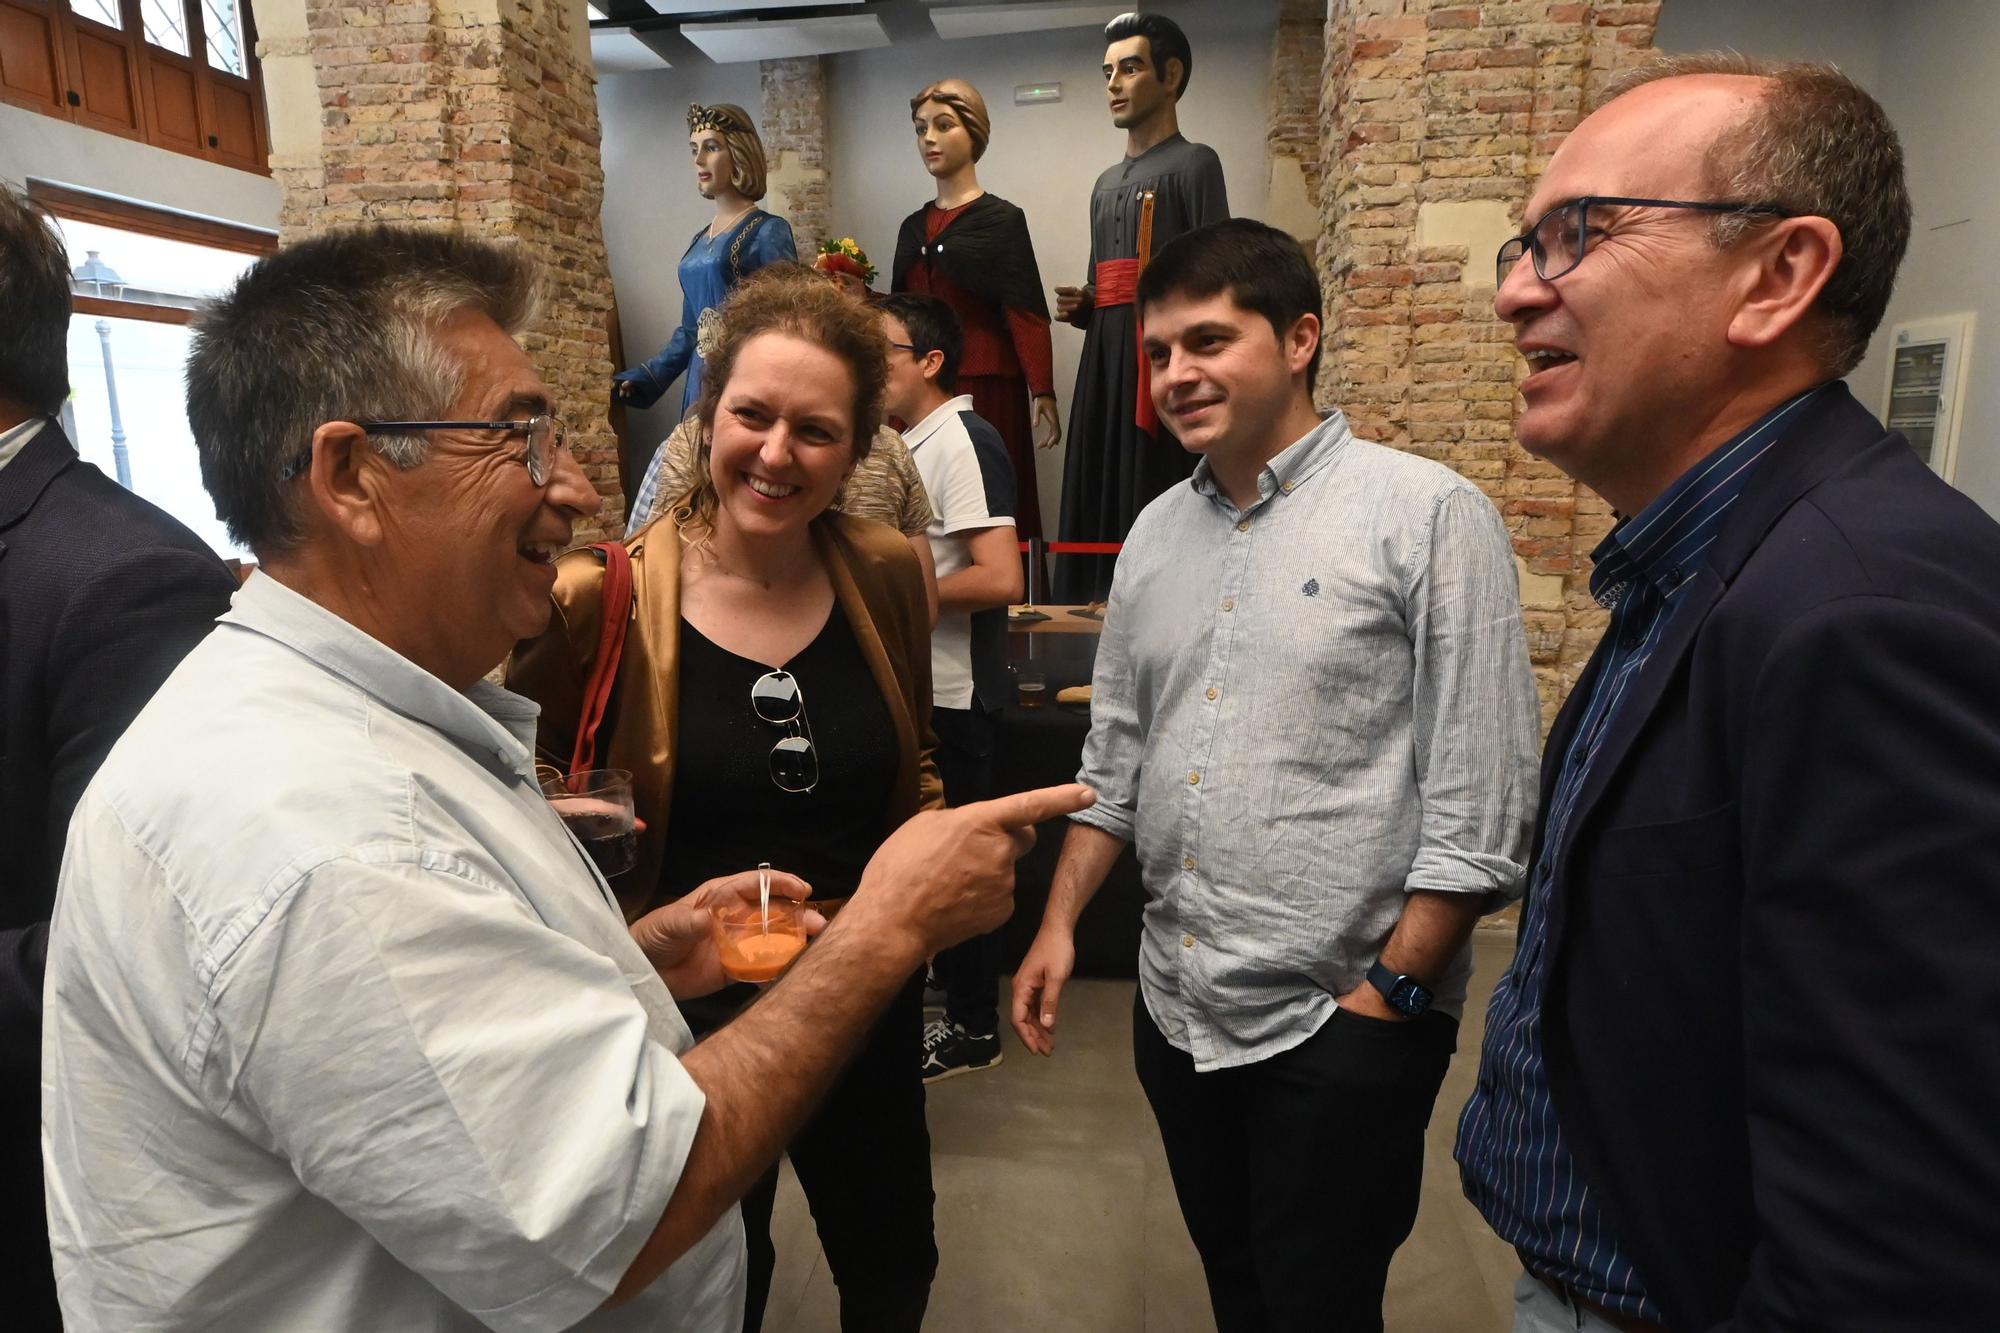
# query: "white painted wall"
{"points": [[32, 144], [1847, 32], [1939, 87], [1930, 63], [651, 206], [1044, 158]]}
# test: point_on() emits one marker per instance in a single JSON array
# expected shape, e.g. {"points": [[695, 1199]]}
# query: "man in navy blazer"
{"points": [[1744, 1070], [101, 596]]}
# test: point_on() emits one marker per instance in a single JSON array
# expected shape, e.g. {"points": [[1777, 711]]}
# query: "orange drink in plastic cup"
{"points": [[751, 949]]}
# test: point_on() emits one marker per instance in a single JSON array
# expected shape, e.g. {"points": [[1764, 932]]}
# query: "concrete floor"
{"points": [[1055, 1212]]}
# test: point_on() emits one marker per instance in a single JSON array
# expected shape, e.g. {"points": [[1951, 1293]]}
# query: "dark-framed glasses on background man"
{"points": [[776, 698], [541, 435], [1561, 237]]}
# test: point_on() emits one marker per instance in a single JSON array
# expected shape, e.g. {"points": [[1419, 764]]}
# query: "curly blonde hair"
{"points": [[792, 299]]}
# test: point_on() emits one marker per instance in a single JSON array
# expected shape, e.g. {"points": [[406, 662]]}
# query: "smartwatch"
{"points": [[1406, 995]]}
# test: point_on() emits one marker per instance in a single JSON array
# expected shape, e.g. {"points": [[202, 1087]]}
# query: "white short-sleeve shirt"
{"points": [[968, 493], [342, 1029]]}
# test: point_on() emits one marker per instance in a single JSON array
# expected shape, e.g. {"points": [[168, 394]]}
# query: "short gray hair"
{"points": [[340, 327], [1820, 146]]}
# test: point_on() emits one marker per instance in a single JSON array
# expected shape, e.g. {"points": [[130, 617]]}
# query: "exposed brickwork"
{"points": [[1298, 53], [793, 127], [478, 114], [1438, 117]]}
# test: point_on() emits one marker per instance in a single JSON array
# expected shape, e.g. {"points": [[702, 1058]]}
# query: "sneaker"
{"points": [[949, 1050]]}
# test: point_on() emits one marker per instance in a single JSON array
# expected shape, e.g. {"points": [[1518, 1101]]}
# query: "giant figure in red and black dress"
{"points": [[1119, 458], [971, 250]]}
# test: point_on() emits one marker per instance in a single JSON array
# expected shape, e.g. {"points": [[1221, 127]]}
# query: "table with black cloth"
{"points": [[1041, 747]]}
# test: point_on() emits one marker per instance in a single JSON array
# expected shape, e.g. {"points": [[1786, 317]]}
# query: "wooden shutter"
{"points": [[234, 123], [104, 75], [31, 57], [55, 61], [173, 102]]}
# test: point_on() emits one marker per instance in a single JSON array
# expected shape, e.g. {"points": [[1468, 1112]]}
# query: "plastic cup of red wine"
{"points": [[596, 806]]}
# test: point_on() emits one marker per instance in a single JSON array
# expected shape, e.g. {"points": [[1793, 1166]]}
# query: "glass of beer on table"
{"points": [[596, 806]]}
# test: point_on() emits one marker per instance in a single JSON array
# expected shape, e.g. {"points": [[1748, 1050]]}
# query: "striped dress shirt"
{"points": [[1513, 1160]]}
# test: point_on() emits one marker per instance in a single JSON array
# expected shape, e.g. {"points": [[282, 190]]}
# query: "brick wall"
{"points": [[472, 113], [1298, 53], [1437, 116], [793, 127]]}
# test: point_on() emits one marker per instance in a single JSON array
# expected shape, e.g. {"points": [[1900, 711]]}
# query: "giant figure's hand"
{"points": [[1048, 422], [1072, 303]]}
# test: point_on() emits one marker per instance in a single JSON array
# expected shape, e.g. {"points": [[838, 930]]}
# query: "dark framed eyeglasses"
{"points": [[1561, 237], [542, 433], [904, 346], [776, 697]]}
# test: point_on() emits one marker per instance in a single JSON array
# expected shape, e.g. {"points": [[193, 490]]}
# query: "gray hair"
{"points": [[341, 327], [34, 294], [1819, 146]]}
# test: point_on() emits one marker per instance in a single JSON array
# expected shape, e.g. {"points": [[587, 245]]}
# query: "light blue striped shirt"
{"points": [[1302, 711]]}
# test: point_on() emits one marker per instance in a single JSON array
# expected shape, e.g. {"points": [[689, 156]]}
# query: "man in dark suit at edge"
{"points": [[1743, 1073], [101, 596]]}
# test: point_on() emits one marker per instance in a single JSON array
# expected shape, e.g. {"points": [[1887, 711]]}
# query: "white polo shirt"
{"points": [[971, 486], [342, 1029]]}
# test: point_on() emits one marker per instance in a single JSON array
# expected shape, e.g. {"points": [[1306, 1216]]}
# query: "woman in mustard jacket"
{"points": [[772, 703]]}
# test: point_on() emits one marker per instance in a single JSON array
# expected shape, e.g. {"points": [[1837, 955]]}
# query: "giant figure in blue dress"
{"points": [[729, 169]]}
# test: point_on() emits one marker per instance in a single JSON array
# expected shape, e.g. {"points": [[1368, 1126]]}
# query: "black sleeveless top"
{"points": [[728, 813]]}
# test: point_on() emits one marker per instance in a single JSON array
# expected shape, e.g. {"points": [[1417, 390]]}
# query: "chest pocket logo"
{"points": [[1311, 588]]}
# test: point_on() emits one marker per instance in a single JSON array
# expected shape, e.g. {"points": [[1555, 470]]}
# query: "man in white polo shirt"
{"points": [[971, 487]]}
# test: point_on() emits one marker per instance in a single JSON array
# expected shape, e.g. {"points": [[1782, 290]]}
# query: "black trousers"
{"points": [[864, 1162], [1299, 1175], [967, 739]]}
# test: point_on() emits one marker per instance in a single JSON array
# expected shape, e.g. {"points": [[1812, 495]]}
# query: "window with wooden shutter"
{"points": [[178, 74], [137, 276]]}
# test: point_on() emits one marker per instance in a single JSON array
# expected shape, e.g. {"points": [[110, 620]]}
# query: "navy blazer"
{"points": [[1772, 1025], [101, 596]]}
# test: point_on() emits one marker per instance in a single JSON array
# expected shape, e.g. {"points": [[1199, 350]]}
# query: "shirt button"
{"points": [[1187, 863], [1194, 779], [1244, 526], [1214, 693], [1287, 487], [1187, 941], [1229, 603]]}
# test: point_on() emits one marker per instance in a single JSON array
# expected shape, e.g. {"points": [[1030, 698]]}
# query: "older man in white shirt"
{"points": [[344, 1030]]}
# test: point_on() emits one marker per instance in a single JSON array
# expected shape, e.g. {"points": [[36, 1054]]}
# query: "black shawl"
{"points": [[984, 250]]}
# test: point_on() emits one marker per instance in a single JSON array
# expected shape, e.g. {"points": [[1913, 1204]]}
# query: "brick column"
{"points": [[793, 127], [1298, 54], [479, 114], [1438, 115]]}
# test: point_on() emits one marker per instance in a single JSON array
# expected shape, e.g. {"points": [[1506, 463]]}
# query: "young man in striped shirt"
{"points": [[1312, 714]]}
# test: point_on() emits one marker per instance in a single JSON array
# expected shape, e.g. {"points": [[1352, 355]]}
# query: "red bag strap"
{"points": [[614, 614]]}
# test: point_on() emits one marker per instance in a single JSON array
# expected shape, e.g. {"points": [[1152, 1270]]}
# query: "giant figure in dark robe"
{"points": [[971, 250], [1119, 457]]}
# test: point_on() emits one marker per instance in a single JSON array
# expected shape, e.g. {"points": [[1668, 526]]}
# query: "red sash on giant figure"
{"points": [[1117, 283]]}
